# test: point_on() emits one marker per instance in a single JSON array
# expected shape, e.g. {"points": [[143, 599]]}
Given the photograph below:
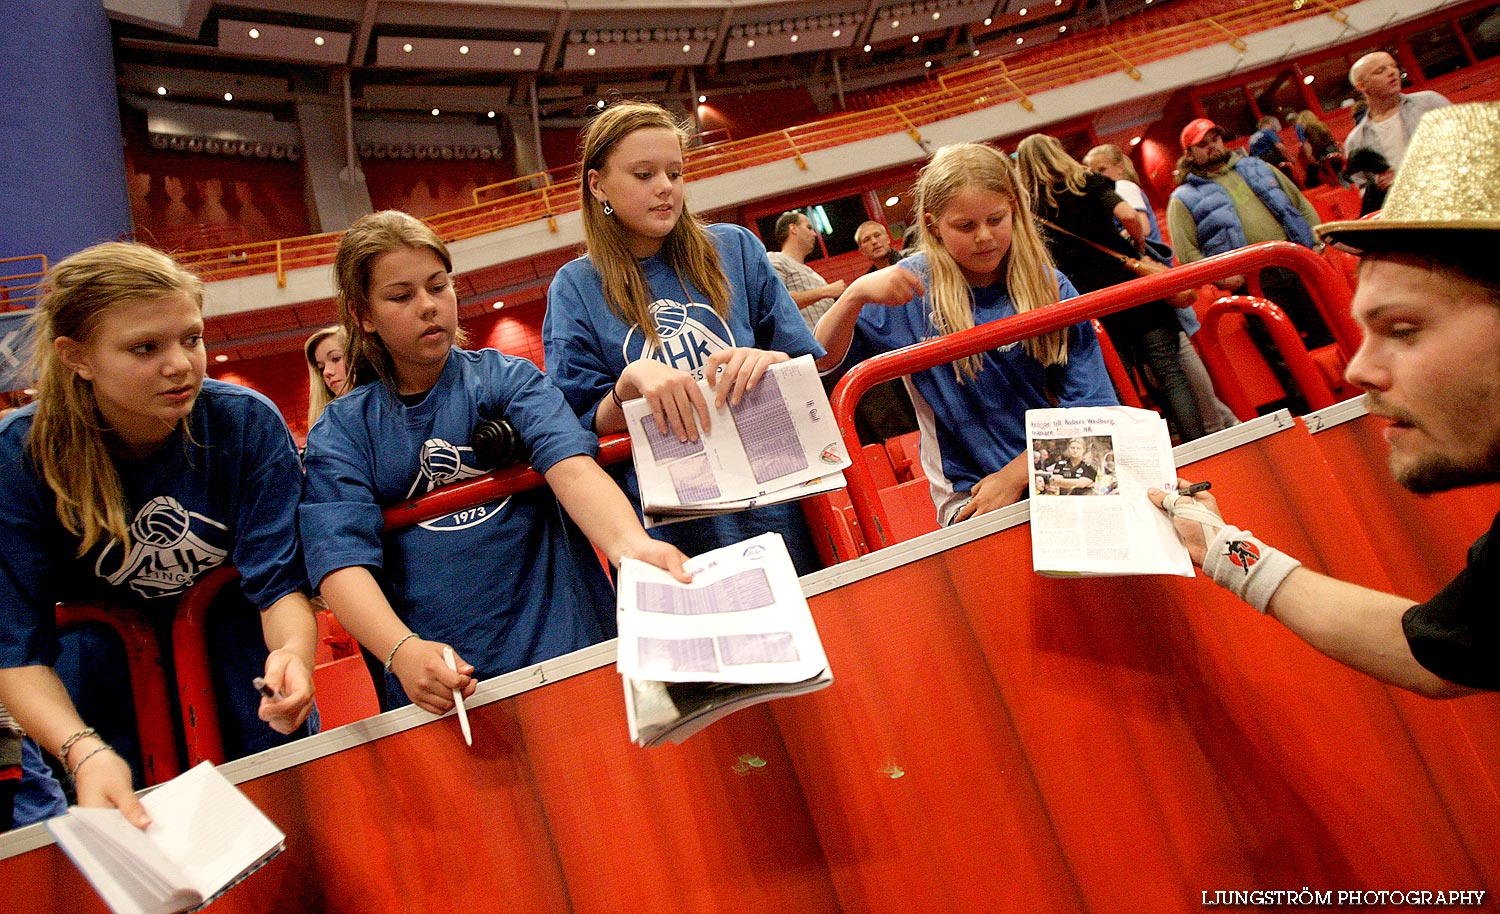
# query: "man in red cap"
{"points": [[1225, 201]]}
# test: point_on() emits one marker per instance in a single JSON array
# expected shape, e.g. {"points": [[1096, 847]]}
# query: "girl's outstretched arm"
{"points": [[890, 286], [39, 702], [607, 518], [361, 607]]}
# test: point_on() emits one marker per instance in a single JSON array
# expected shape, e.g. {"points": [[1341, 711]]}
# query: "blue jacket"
{"points": [[1218, 222]]}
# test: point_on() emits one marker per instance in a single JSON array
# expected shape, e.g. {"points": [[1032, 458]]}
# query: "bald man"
{"points": [[1388, 125]]}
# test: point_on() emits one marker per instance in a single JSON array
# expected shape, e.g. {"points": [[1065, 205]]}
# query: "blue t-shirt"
{"points": [[972, 429], [226, 493], [509, 583], [588, 345]]}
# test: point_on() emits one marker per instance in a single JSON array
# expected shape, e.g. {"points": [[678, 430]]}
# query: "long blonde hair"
{"points": [[687, 246], [1110, 154], [318, 393], [1030, 280], [368, 238], [67, 438], [1046, 168]]}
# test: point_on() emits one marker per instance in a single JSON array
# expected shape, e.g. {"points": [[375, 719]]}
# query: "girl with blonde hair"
{"points": [[981, 261], [130, 477], [1079, 213], [327, 373], [660, 301], [506, 584]]}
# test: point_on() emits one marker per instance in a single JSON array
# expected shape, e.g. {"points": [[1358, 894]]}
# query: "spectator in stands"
{"points": [[1265, 144], [874, 241], [1110, 161], [1225, 201], [130, 477], [1429, 303], [981, 261], [1321, 152], [325, 369], [1388, 125], [796, 238], [661, 301], [1080, 215], [506, 584]]}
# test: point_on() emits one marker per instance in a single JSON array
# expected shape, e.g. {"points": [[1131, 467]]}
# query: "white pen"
{"points": [[458, 698]]}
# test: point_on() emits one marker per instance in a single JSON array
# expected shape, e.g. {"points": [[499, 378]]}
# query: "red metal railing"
{"points": [[1322, 282], [148, 682]]}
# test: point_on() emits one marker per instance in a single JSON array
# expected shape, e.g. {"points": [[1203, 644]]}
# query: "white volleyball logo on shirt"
{"points": [[687, 335], [170, 547], [442, 462]]}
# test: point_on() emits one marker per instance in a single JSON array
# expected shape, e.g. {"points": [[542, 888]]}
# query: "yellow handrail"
{"points": [[984, 84], [17, 282]]}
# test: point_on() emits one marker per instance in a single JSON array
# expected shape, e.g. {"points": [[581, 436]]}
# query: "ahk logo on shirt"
{"points": [[441, 463], [170, 547], [689, 334]]}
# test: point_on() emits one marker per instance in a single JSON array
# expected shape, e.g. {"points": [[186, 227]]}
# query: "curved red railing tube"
{"points": [[1317, 275], [195, 682], [1310, 380], [148, 682]]}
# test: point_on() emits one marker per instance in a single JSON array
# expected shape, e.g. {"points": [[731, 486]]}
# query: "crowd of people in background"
{"points": [[152, 474]]}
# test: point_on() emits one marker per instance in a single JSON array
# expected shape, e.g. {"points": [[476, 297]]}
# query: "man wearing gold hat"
{"points": [[1429, 304]]}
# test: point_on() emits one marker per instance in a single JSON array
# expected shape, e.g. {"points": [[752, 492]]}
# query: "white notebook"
{"points": [[205, 836]]}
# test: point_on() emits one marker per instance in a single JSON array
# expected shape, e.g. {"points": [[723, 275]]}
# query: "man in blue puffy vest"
{"points": [[1225, 201]]}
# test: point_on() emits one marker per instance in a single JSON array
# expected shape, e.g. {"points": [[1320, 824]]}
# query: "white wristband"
{"points": [[1246, 567]]}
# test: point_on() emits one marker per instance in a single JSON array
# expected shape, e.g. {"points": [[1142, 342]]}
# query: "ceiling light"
{"points": [[515, 52], [937, 15], [599, 104], [702, 99], [318, 41], [1023, 11], [837, 32], [228, 96], [1020, 41], [895, 23], [406, 48], [892, 201], [161, 90], [1135, 141], [436, 112], [463, 49], [688, 47], [750, 43], [498, 305], [793, 39], [1061, 29], [987, 21], [593, 51], [867, 49], [1308, 79], [255, 33], [221, 357], [490, 114], [928, 65], [915, 39]]}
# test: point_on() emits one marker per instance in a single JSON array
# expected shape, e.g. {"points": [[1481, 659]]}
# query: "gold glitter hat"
{"points": [[1449, 183]]}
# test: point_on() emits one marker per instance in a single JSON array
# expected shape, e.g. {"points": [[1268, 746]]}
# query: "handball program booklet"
{"points": [[205, 837], [779, 444], [741, 633], [1090, 469]]}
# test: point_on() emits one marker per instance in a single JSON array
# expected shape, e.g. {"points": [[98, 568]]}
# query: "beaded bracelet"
{"points": [[73, 772], [68, 743], [391, 657]]}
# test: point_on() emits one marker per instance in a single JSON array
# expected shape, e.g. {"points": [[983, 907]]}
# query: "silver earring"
{"points": [[608, 210]]}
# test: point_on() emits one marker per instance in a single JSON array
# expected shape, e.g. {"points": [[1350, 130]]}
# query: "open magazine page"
{"points": [[1091, 467], [780, 436], [741, 633]]}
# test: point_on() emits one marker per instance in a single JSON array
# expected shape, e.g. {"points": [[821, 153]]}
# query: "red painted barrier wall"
{"points": [[995, 741]]}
